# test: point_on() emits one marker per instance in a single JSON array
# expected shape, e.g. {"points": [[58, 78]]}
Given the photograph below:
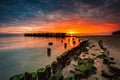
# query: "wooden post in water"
{"points": [[50, 43], [48, 51], [65, 45], [54, 67], [74, 42], [41, 74], [28, 76], [48, 71], [34, 76]]}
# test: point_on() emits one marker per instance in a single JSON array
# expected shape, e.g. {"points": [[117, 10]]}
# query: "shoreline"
{"points": [[62, 60]]}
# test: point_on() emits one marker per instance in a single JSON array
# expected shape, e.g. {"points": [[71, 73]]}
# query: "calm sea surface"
{"points": [[19, 54]]}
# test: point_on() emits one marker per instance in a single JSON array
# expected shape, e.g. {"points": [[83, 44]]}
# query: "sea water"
{"points": [[19, 54]]}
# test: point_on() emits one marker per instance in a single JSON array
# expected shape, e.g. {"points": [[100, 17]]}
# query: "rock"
{"points": [[91, 69], [101, 56], [93, 54], [106, 60], [71, 71], [100, 42], [81, 68], [114, 68], [111, 62], [81, 61], [79, 75], [90, 60], [68, 62], [68, 78], [58, 76], [17, 77], [106, 74]]}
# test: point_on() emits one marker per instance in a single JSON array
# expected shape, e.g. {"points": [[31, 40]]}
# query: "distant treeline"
{"points": [[46, 34], [116, 33]]}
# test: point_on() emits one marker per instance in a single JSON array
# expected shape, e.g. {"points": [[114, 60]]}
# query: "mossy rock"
{"points": [[72, 72], [115, 68], [58, 75], [90, 61], [75, 58], [79, 74], [106, 74], [101, 56], [18, 77], [68, 62], [68, 78], [64, 54], [34, 74], [89, 66], [91, 69], [81, 68], [48, 66], [41, 70], [51, 78], [80, 61]]}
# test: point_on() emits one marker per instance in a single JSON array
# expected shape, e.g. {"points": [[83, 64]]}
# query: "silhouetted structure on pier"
{"points": [[46, 34]]}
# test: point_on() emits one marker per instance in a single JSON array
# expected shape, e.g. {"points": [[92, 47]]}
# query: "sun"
{"points": [[29, 28], [71, 33]]}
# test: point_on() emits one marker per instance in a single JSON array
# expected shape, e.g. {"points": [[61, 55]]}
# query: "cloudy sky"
{"points": [[71, 16]]}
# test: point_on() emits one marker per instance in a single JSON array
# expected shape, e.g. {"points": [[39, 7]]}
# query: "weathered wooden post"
{"points": [[54, 67], [79, 40], [58, 76], [48, 71], [28, 76], [34, 76], [48, 51], [65, 45], [59, 60], [41, 74], [74, 42], [68, 40], [50, 43]]}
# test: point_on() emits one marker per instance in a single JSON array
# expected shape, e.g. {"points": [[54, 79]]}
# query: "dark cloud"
{"points": [[20, 11]]}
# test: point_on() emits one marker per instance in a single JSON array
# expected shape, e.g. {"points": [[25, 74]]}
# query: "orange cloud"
{"points": [[74, 26]]}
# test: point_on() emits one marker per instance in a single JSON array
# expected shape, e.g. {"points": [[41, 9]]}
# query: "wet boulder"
{"points": [[17, 77], [107, 74], [115, 68]]}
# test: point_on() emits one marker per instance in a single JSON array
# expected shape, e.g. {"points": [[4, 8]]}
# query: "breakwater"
{"points": [[83, 69], [45, 34]]}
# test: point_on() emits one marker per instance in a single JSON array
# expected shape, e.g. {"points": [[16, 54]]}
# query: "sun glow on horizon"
{"points": [[71, 27]]}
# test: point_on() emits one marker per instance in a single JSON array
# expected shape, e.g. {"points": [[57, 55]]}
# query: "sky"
{"points": [[70, 16]]}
